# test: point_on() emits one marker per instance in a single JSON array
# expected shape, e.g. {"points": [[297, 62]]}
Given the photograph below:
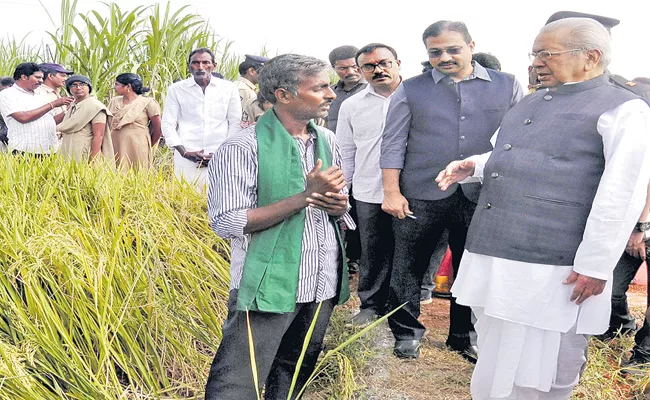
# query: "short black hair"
{"points": [[487, 60], [369, 48], [244, 66], [27, 69], [6, 81], [202, 50], [435, 29], [342, 53]]}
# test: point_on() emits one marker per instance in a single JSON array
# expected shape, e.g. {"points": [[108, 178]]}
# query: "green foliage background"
{"points": [[153, 41]]}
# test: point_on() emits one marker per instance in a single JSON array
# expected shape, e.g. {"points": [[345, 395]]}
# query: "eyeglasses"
{"points": [[452, 51], [343, 68], [547, 55], [78, 85], [383, 64]]}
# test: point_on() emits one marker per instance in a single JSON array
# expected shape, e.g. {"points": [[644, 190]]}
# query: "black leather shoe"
{"points": [[465, 349], [407, 348]]}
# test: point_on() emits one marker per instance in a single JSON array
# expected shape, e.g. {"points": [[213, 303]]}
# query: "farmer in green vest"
{"points": [[277, 190]]}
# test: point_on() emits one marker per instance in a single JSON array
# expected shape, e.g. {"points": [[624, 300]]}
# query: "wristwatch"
{"points": [[642, 226]]}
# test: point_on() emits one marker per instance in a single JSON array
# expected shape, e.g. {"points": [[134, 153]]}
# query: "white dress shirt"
{"points": [[197, 120], [534, 294], [38, 136], [359, 132]]}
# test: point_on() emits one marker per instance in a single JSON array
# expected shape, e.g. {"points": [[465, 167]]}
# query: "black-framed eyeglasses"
{"points": [[78, 85], [452, 51], [383, 64], [547, 55]]}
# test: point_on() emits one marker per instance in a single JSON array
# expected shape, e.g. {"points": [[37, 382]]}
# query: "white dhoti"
{"points": [[532, 340], [188, 170]]}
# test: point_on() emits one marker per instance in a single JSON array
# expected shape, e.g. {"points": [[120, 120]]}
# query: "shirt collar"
{"points": [[23, 90], [479, 73], [246, 82], [371, 90], [47, 88], [339, 85], [191, 82]]}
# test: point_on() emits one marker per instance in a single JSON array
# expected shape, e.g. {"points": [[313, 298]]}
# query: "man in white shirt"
{"points": [[359, 131], [553, 217], [29, 117], [200, 112]]}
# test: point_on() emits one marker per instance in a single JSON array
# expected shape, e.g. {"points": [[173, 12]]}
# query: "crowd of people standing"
{"points": [[535, 193]]}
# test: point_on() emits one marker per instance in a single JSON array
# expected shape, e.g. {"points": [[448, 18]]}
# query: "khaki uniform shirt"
{"points": [[50, 95], [249, 104]]}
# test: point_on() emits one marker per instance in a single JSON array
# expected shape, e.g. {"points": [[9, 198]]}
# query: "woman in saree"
{"points": [[84, 128], [135, 126]]}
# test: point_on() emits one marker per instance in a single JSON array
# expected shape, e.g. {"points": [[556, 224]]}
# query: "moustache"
{"points": [[446, 64], [379, 76]]}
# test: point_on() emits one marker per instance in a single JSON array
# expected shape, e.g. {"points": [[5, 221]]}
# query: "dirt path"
{"points": [[438, 374]]}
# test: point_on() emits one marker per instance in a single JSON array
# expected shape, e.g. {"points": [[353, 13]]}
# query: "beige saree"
{"points": [[130, 131], [77, 132]]}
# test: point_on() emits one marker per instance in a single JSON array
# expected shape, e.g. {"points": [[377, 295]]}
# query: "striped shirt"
{"points": [[38, 136], [233, 191]]}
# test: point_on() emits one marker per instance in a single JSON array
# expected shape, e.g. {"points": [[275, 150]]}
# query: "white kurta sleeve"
{"points": [[622, 190]]}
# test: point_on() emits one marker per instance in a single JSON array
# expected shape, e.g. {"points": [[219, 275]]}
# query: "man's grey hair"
{"points": [[286, 72], [584, 34]]}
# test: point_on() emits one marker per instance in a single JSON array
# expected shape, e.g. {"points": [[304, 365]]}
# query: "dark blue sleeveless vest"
{"points": [[542, 177], [445, 127]]}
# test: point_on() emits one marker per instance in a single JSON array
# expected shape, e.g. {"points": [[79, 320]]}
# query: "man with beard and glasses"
{"points": [[277, 190], [435, 118], [200, 112], [359, 129]]}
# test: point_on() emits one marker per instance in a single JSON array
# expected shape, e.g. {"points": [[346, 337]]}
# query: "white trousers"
{"points": [[188, 170], [519, 362]]}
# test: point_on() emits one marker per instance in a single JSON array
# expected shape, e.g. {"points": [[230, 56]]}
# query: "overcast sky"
{"points": [[503, 28]]}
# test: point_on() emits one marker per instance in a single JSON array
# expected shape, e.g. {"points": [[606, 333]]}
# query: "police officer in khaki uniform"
{"points": [[249, 74], [640, 90]]}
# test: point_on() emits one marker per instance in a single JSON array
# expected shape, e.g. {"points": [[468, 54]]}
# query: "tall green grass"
{"points": [[111, 285], [153, 41]]}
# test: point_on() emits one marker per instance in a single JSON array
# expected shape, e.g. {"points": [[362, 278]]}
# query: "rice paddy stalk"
{"points": [[251, 352]]}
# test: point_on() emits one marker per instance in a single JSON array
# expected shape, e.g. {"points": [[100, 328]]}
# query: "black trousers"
{"points": [[377, 244], [352, 238], [415, 241], [278, 341], [620, 318]]}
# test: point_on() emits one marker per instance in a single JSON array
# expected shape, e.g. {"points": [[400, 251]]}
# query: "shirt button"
{"points": [[487, 206], [462, 156], [457, 100], [548, 97], [462, 138], [507, 146], [462, 118], [528, 122], [494, 175]]}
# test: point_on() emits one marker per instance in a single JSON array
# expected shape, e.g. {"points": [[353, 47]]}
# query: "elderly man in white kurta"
{"points": [[562, 189]]}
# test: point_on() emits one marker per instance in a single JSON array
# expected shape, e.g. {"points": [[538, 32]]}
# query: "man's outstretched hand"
{"points": [[455, 172]]}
